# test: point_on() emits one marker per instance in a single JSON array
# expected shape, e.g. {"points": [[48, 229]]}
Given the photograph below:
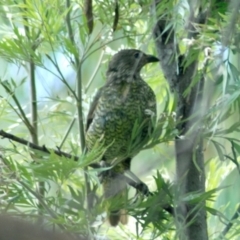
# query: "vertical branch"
{"points": [[79, 105], [79, 79], [190, 172], [33, 93], [33, 102], [78, 66], [34, 108]]}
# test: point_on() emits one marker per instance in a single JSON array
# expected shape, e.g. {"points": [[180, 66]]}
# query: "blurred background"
{"points": [[37, 54]]}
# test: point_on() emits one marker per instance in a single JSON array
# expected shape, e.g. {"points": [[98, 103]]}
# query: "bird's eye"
{"points": [[136, 55]]}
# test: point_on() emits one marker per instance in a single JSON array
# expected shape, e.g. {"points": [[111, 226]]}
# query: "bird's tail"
{"points": [[117, 216], [115, 194]]}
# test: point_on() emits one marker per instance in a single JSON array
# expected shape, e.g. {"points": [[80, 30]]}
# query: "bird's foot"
{"points": [[142, 191], [105, 173], [143, 188], [140, 186]]}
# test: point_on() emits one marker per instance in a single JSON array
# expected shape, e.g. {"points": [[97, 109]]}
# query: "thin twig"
{"points": [[67, 132], [230, 224], [54, 62], [21, 113], [95, 72], [40, 199]]}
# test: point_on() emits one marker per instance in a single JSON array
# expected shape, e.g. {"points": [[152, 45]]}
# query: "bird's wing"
{"points": [[93, 106]]}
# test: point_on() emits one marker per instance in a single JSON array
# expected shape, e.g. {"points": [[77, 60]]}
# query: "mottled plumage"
{"points": [[124, 102]]}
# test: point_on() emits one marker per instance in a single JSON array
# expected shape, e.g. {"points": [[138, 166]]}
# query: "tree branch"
{"points": [[60, 153], [43, 148], [190, 219], [20, 111], [78, 65], [139, 186], [167, 50]]}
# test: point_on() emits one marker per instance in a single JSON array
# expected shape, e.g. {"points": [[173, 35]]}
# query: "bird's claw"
{"points": [[143, 188], [107, 173]]}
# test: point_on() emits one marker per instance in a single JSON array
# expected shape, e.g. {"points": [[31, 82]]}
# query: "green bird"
{"points": [[121, 119]]}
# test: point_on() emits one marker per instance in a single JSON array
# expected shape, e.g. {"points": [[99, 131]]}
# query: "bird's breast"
{"points": [[116, 115]]}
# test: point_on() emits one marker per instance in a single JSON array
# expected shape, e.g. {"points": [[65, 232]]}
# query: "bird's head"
{"points": [[129, 61]]}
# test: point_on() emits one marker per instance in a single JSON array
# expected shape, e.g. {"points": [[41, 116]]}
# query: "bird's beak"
{"points": [[151, 58]]}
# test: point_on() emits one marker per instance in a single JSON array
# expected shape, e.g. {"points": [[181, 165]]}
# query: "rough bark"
{"points": [[190, 173]]}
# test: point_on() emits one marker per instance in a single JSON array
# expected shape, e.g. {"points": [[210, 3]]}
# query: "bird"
{"points": [[120, 119]]}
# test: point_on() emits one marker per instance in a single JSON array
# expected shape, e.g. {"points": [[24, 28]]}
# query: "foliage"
{"points": [[48, 46]]}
